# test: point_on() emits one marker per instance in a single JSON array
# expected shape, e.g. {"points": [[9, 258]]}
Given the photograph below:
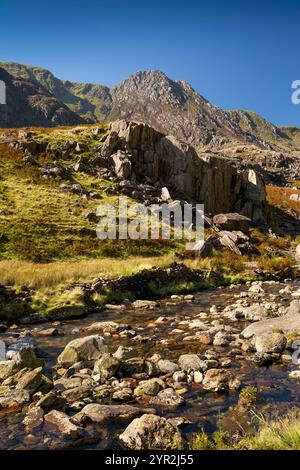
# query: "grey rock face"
{"points": [[207, 179]]}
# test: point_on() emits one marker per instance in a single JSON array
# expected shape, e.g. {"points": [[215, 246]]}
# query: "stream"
{"points": [[210, 411]]}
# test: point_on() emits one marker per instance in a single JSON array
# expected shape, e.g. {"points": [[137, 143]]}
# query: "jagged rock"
{"points": [[165, 195], [107, 366], [103, 414], [31, 380], [206, 249], [25, 358], [151, 432], [207, 179], [270, 343], [82, 349], [63, 424], [232, 222], [122, 165], [51, 401], [123, 353]]}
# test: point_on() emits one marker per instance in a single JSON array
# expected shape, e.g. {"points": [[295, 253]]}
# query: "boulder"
{"points": [[254, 312], [34, 418], [167, 398], [167, 367], [26, 358], [216, 380], [165, 195], [205, 250], [107, 366], [232, 221], [123, 353], [31, 380], [14, 399], [23, 359], [190, 362], [63, 424], [122, 165], [151, 432], [270, 343], [82, 349], [149, 387], [286, 323], [51, 401], [107, 414]]}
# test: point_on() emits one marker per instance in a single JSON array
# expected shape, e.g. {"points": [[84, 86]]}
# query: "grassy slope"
{"points": [[46, 242]]}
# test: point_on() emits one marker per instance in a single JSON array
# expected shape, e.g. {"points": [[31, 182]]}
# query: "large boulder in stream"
{"points": [[88, 348], [103, 414], [151, 432]]}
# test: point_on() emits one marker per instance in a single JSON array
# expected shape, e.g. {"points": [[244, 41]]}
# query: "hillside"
{"points": [[29, 103]]}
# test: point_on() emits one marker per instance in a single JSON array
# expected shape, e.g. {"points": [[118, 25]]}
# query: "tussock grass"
{"points": [[280, 434], [50, 275]]}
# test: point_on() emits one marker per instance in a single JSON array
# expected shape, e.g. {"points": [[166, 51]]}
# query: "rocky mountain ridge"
{"points": [[171, 106]]}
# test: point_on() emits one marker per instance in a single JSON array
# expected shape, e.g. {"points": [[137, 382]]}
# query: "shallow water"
{"points": [[208, 410]]}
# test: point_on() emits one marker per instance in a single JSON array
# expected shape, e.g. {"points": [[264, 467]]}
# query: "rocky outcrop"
{"points": [[144, 154]]}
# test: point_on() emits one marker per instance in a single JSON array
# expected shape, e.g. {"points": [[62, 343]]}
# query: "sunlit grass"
{"points": [[49, 275]]}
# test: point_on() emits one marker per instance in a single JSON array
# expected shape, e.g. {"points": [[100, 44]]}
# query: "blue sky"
{"points": [[238, 54]]}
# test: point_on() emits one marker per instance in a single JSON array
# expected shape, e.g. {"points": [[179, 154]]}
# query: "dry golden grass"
{"points": [[280, 197], [50, 275]]}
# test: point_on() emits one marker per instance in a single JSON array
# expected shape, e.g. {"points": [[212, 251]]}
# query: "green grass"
{"points": [[280, 434]]}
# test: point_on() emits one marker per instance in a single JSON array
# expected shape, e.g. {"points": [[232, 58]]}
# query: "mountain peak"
{"points": [[153, 85]]}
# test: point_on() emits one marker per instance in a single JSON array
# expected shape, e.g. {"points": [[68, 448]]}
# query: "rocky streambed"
{"points": [[149, 375]]}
